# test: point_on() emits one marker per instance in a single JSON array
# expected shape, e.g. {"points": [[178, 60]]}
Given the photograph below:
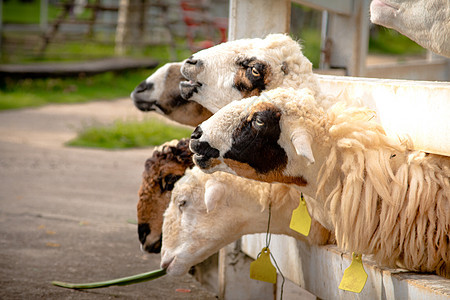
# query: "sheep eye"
{"points": [[169, 182], [258, 122], [255, 72], [181, 203]]}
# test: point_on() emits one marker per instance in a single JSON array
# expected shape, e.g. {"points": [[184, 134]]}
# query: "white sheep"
{"points": [[244, 68], [160, 93], [427, 22], [377, 196], [209, 211]]}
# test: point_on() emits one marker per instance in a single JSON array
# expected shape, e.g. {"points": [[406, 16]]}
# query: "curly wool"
{"points": [[279, 48], [389, 201], [378, 197], [171, 158]]}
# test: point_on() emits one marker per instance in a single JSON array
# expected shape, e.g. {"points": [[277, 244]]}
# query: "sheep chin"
{"points": [[175, 268], [210, 166]]}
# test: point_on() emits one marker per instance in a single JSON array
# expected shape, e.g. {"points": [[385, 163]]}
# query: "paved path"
{"points": [[64, 211]]}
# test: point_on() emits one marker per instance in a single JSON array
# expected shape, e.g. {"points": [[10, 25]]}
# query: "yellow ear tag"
{"points": [[301, 220], [262, 268], [354, 277]]}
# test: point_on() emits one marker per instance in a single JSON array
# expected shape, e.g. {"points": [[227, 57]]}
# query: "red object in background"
{"points": [[202, 30]]}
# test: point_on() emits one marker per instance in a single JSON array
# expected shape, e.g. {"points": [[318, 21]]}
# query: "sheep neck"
{"points": [[283, 203], [312, 173]]}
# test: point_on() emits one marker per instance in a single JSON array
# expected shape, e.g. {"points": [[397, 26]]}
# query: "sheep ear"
{"points": [[301, 141], [214, 191]]}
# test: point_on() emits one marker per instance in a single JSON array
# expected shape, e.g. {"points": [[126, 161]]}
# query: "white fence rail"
{"points": [[420, 110], [346, 26], [320, 269]]}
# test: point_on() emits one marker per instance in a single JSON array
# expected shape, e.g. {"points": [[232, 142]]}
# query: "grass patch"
{"points": [[37, 92], [23, 47], [129, 134], [75, 51], [389, 41], [310, 41], [20, 12], [28, 12]]}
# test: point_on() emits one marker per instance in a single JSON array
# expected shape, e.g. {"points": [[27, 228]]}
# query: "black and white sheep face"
{"points": [[160, 93], [239, 69], [256, 138]]}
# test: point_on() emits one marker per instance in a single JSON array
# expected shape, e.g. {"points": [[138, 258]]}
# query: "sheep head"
{"points": [[267, 138], [427, 22], [194, 227], [162, 170], [244, 68], [160, 93], [209, 211]]}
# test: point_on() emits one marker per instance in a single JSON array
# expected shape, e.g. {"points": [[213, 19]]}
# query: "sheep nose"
{"points": [[197, 133], [192, 61], [143, 232], [154, 247], [143, 86]]}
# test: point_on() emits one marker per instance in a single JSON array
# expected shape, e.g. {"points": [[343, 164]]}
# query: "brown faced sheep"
{"points": [[160, 93], [379, 198], [162, 170], [209, 211]]}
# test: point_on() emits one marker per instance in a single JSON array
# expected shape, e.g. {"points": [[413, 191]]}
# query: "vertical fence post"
{"points": [[122, 20], [324, 63], [257, 18], [43, 18], [1, 26], [349, 36]]}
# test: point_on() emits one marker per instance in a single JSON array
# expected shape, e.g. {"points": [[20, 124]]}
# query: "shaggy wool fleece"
{"points": [[391, 202]]}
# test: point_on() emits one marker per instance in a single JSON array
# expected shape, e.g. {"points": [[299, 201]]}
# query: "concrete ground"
{"points": [[64, 211]]}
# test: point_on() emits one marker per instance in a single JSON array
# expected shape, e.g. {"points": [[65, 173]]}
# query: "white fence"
{"points": [[346, 24], [419, 109]]}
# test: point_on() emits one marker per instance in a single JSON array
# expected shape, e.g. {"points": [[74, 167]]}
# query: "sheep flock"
{"points": [[272, 123]]}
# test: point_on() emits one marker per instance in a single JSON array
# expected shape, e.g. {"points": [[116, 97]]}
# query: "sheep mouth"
{"points": [[202, 161], [154, 247], [145, 105], [167, 264], [189, 88], [148, 105]]}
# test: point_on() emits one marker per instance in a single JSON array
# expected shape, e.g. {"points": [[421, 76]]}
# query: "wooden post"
{"points": [[120, 29], [349, 39], [1, 25], [257, 18], [234, 280], [43, 17]]}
